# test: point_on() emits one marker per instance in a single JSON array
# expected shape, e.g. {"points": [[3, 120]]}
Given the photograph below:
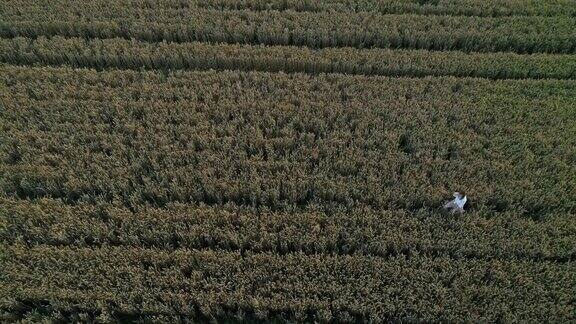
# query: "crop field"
{"points": [[287, 161]]}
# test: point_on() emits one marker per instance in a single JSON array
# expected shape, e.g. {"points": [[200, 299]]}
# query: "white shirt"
{"points": [[460, 202]]}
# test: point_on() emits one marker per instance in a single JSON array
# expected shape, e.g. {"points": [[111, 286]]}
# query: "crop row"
{"points": [[521, 34], [233, 228], [286, 140], [112, 282], [121, 53], [489, 8]]}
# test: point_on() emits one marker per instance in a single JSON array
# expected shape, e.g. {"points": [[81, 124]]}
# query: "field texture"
{"points": [[287, 160]]}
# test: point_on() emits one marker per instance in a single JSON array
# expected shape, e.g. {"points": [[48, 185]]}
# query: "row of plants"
{"points": [[490, 8], [132, 54], [383, 233], [286, 141], [118, 283], [522, 34]]}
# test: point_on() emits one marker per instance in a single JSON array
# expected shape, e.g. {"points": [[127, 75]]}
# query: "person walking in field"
{"points": [[456, 206]]}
